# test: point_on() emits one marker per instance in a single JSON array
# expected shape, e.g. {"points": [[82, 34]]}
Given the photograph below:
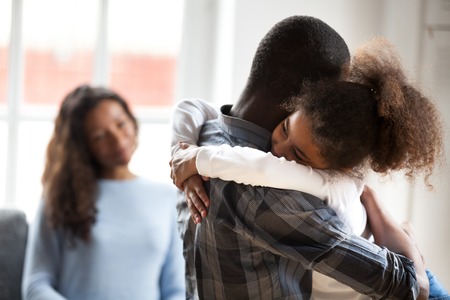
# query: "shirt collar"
{"points": [[245, 130]]}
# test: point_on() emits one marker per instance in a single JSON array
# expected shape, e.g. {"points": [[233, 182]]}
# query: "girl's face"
{"points": [[293, 140], [111, 136]]}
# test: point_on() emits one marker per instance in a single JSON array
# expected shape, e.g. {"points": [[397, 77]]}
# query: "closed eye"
{"points": [[301, 156], [297, 156]]}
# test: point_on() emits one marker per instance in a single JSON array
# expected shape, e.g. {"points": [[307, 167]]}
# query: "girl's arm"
{"points": [[254, 167], [387, 232], [248, 166], [187, 120]]}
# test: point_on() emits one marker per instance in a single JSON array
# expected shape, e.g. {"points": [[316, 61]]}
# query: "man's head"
{"points": [[296, 49]]}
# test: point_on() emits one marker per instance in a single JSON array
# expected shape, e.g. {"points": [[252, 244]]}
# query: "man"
{"points": [[262, 243]]}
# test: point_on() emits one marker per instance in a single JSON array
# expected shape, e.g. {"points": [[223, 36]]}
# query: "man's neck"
{"points": [[257, 111]]}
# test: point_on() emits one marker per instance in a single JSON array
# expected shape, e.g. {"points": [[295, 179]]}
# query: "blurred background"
{"points": [[157, 52]]}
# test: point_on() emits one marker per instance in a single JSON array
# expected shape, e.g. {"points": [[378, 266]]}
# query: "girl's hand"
{"points": [[183, 164], [196, 197]]}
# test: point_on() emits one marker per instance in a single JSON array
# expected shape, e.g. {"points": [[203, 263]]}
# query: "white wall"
{"points": [[221, 37], [430, 210]]}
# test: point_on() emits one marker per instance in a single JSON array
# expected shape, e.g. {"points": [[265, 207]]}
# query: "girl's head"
{"points": [[95, 136], [377, 117], [333, 126]]}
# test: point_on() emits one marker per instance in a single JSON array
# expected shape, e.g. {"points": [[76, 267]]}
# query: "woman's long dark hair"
{"points": [[71, 172]]}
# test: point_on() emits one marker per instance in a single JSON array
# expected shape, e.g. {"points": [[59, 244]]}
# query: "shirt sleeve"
{"points": [[41, 261], [187, 120], [261, 169]]}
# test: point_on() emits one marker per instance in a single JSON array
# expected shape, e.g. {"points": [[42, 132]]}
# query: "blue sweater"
{"points": [[135, 252]]}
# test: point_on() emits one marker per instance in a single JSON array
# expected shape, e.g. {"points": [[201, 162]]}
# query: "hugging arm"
{"points": [[258, 168], [387, 232], [261, 168], [187, 120], [242, 165]]}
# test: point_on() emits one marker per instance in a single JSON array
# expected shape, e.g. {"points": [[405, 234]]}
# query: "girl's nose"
{"points": [[279, 149]]}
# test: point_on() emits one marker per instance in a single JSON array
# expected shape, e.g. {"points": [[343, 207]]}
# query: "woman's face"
{"points": [[293, 140], [111, 135]]}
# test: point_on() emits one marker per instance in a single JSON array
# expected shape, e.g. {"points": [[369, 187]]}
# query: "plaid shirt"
{"points": [[262, 243]]}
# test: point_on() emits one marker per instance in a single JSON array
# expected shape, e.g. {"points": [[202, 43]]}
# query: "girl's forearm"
{"points": [[388, 233]]}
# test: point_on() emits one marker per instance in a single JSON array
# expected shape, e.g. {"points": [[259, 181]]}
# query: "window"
{"points": [[5, 29], [3, 165], [143, 44], [31, 146], [58, 43], [130, 46]]}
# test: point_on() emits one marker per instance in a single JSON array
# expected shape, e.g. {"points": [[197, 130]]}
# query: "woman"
{"points": [[101, 232]]}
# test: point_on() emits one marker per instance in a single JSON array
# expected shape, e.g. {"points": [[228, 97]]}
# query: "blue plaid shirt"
{"points": [[262, 243]]}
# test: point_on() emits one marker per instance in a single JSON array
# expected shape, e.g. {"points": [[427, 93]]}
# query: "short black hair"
{"points": [[296, 49]]}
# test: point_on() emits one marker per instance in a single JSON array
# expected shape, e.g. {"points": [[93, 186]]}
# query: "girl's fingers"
{"points": [[195, 214], [203, 197], [196, 198], [198, 203]]}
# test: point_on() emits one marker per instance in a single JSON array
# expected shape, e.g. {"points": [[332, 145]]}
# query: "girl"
{"points": [[335, 133], [98, 234]]}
